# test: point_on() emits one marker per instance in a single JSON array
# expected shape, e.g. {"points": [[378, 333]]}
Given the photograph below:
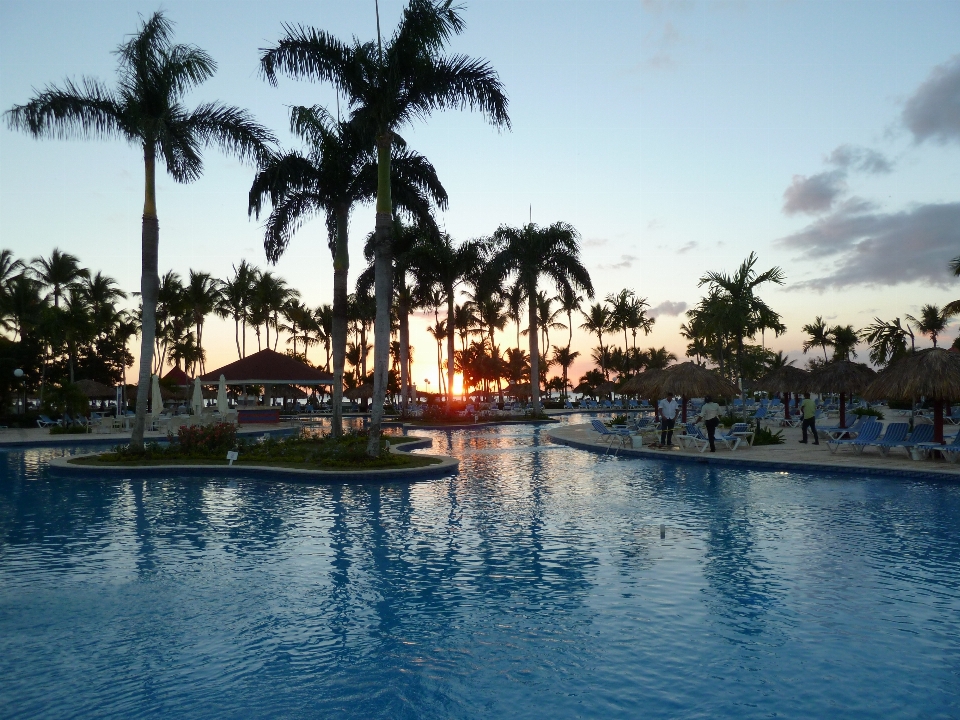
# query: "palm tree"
{"points": [[532, 251], [563, 357], [338, 172], [747, 314], [658, 358], [818, 335], [887, 340], [439, 333], [58, 272], [235, 299], [570, 303], [844, 340], [620, 311], [636, 318], [388, 87], [932, 321], [597, 320], [323, 317], [146, 110], [202, 294]]}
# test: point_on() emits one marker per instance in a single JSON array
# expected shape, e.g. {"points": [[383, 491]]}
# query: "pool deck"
{"points": [[789, 457]]}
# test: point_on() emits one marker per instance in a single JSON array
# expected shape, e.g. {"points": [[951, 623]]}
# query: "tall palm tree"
{"points": [[388, 86], [637, 319], [146, 110], [570, 303], [887, 340], [202, 293], [530, 252], [58, 272], [597, 320], [338, 171], [818, 335], [235, 298], [747, 314], [563, 357], [620, 311], [932, 321], [845, 340]]}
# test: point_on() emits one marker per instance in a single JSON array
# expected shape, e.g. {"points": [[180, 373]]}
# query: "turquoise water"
{"points": [[532, 584]]}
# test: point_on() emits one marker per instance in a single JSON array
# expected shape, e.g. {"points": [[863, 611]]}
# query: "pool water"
{"points": [[532, 584]]}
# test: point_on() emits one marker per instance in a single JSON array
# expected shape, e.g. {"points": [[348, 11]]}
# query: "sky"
{"points": [[677, 137]]}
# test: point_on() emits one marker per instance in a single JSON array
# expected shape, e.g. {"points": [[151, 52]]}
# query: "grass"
{"points": [[301, 452]]}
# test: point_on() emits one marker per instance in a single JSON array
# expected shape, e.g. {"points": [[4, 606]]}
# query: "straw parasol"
{"points": [[364, 392], [518, 390], [584, 389], [933, 373], [784, 380], [197, 401], [690, 380], [607, 387], [639, 384], [842, 377], [96, 390]]}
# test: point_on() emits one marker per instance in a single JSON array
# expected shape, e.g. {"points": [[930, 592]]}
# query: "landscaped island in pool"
{"points": [[532, 583]]}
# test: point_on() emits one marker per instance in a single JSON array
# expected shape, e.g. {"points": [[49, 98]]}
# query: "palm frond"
{"points": [[459, 82], [307, 52], [89, 110], [232, 129]]}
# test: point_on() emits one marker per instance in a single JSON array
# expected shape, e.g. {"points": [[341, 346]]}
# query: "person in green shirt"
{"points": [[808, 411]]}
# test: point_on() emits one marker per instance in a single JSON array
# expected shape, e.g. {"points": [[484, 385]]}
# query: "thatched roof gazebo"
{"points": [[606, 387], [364, 392], [933, 373], [842, 376], [783, 381], [96, 390], [639, 384], [688, 380]]}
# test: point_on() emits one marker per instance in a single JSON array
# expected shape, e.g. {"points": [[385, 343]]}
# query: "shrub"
{"points": [[871, 412], [765, 436], [207, 439], [618, 420]]}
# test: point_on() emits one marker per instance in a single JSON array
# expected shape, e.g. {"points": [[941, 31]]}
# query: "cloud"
{"points": [[626, 261], [852, 157], [687, 248], [814, 194], [866, 247], [595, 242], [668, 308], [933, 113]]}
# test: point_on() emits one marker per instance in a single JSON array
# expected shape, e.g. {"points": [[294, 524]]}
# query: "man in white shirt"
{"points": [[667, 408], [710, 414]]}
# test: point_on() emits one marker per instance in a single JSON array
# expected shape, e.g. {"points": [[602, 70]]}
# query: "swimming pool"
{"points": [[532, 584]]}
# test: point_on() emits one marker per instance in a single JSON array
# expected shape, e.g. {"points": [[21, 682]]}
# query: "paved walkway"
{"points": [[790, 456]]}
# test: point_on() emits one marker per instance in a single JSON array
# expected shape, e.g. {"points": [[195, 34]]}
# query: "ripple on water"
{"points": [[532, 583]]}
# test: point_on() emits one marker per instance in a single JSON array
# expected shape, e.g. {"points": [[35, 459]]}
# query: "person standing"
{"points": [[808, 411], [710, 414], [667, 409]]}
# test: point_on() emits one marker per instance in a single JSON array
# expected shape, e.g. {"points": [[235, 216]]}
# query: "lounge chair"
{"points": [[869, 431], [737, 434], [836, 432], [694, 437], [921, 438], [951, 451], [894, 435], [608, 435], [45, 421]]}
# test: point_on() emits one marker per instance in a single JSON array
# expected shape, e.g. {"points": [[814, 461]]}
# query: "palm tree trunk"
{"points": [[149, 286], [236, 336], [534, 353], [383, 277], [450, 349], [403, 311], [341, 266]]}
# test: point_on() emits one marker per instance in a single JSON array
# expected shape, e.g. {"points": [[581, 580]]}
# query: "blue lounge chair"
{"points": [[45, 421], [951, 451], [921, 436], [608, 435], [632, 405], [851, 431], [568, 405], [694, 437], [894, 435], [869, 431], [739, 433]]}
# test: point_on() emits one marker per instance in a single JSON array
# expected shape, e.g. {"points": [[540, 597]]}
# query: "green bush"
{"points": [[765, 436], [618, 420], [207, 439], [870, 412]]}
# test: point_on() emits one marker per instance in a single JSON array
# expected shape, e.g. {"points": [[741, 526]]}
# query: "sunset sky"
{"points": [[676, 136]]}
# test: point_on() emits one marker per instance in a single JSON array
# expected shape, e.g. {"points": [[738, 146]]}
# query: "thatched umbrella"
{"points": [[784, 380], [605, 388], [519, 390], [96, 390], [933, 373], [640, 384], [584, 389], [364, 392], [843, 377], [689, 380]]}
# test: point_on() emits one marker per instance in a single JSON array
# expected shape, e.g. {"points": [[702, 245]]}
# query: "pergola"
{"points": [[269, 369]]}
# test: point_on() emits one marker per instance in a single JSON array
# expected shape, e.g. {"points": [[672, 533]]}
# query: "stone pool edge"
{"points": [[753, 464], [63, 467]]}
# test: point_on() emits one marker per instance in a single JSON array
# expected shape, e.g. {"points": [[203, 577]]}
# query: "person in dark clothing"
{"points": [[808, 410]]}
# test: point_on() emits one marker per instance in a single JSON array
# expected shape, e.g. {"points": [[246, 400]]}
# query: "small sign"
{"points": [[232, 455]]}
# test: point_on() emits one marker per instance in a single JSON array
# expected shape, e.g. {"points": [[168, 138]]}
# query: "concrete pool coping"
{"points": [[771, 458], [41, 437], [446, 465]]}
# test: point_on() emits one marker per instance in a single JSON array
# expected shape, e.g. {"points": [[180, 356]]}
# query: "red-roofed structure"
{"points": [[268, 367], [176, 376]]}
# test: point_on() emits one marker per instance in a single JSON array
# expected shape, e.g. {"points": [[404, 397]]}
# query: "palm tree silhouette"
{"points": [[388, 86], [146, 110], [818, 335], [58, 272], [597, 320], [527, 253]]}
